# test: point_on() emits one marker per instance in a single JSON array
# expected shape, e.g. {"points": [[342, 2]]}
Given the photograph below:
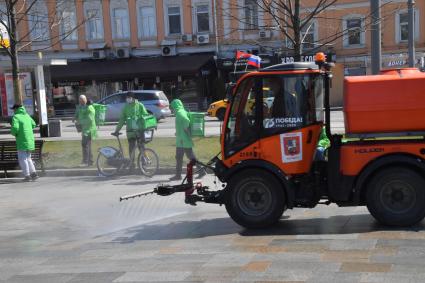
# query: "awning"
{"points": [[127, 69]]}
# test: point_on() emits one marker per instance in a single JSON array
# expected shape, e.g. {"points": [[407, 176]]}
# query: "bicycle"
{"points": [[111, 160]]}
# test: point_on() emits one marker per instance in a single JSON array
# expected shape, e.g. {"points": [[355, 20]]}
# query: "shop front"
{"points": [[188, 77]]}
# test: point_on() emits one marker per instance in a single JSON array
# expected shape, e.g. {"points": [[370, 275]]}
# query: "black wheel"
{"points": [[109, 166], [148, 162], [396, 197], [255, 199], [220, 114]]}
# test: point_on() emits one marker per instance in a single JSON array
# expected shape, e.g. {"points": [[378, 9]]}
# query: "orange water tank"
{"points": [[393, 101]]}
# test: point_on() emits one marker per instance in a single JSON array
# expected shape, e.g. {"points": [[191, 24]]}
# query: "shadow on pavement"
{"points": [[344, 224], [9, 181], [181, 230]]}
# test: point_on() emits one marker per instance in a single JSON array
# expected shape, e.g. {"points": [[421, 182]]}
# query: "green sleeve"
{"points": [[185, 120], [323, 139], [15, 126], [142, 110], [122, 120], [91, 113]]}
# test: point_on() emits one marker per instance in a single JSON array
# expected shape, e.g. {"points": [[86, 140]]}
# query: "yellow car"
{"points": [[218, 109]]}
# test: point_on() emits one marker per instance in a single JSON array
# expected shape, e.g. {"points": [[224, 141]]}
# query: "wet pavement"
{"points": [[76, 230]]}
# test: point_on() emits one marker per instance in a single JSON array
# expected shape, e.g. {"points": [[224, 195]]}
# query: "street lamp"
{"points": [[411, 13]]}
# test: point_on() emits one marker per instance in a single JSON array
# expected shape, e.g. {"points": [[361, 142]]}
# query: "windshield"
{"points": [[270, 105]]}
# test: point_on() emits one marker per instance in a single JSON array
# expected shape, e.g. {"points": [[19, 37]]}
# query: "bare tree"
{"points": [[44, 29], [294, 21]]}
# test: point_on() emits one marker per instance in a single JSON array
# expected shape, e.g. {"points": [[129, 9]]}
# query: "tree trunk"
{"points": [[297, 32], [17, 90]]}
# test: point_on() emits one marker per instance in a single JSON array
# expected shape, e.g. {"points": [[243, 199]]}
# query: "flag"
{"points": [[242, 55], [254, 61]]}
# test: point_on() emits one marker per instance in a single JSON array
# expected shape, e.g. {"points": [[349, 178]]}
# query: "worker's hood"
{"points": [[20, 110], [176, 105]]}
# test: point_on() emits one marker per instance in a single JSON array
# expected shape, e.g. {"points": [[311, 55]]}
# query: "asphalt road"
{"points": [[166, 128], [76, 230]]}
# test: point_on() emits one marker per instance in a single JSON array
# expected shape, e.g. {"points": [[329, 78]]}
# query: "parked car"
{"points": [[155, 101]]}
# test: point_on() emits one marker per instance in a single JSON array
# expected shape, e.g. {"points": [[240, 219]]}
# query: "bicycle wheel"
{"points": [[148, 162], [109, 164]]}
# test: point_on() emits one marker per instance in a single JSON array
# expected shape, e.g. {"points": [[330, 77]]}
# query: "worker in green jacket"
{"points": [[22, 128], [86, 122], [131, 116], [184, 141], [322, 145]]}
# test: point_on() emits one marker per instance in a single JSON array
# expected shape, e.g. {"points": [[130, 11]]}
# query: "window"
{"points": [[94, 24], [402, 26], [242, 128], [251, 14], [354, 35], [39, 26], [120, 23], [68, 20], [174, 23], [147, 22], [202, 18], [115, 99], [309, 35]]}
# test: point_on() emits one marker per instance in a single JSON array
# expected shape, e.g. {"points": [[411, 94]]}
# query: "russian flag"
{"points": [[242, 55], [254, 61]]}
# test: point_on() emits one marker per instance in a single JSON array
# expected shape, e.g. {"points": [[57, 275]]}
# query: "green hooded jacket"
{"points": [[183, 137], [86, 117], [22, 129], [131, 115], [323, 139]]}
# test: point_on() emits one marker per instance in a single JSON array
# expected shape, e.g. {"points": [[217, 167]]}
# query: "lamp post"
{"points": [[411, 14], [376, 59]]}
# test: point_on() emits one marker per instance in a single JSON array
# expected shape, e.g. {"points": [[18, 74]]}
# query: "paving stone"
{"points": [[153, 276], [42, 278], [346, 256], [100, 277], [257, 266], [365, 267], [391, 278], [231, 259], [334, 277]]}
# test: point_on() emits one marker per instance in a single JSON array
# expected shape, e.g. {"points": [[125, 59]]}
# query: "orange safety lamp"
{"points": [[320, 58]]}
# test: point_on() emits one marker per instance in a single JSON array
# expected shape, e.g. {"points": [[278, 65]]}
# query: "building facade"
{"points": [[187, 47]]}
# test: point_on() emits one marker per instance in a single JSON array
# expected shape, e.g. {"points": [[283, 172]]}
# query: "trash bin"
{"points": [[197, 124], [100, 115], [55, 128]]}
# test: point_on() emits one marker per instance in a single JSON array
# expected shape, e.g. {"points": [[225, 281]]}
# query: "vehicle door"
{"points": [[115, 104]]}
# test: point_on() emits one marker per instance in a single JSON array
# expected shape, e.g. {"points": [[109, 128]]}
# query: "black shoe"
{"points": [[34, 176], [175, 178], [27, 179]]}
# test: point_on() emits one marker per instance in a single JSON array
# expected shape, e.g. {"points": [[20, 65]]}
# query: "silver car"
{"points": [[155, 101]]}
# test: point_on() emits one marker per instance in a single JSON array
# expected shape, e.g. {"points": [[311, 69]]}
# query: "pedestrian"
{"points": [[22, 128], [131, 116], [86, 123], [184, 143], [322, 146]]}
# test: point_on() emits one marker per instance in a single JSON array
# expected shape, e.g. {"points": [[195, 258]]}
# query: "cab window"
{"points": [[289, 102], [242, 125]]}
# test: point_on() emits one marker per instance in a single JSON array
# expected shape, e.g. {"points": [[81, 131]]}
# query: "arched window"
{"points": [[146, 18], [68, 20], [38, 23], [94, 19], [120, 19]]}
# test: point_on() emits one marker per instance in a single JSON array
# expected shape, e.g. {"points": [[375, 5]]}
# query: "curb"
{"points": [[77, 172]]}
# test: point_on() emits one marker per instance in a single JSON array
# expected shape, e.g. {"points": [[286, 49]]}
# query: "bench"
{"points": [[9, 156]]}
